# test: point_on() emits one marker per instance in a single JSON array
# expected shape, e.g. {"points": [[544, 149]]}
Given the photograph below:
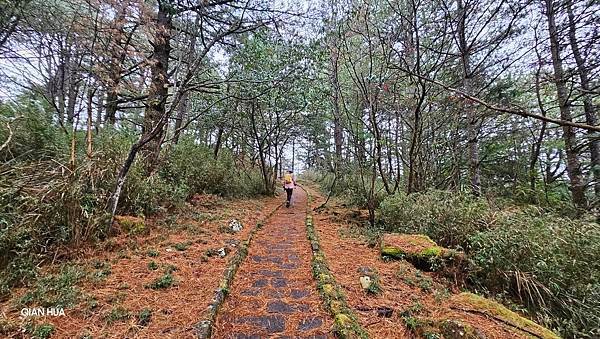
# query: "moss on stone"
{"points": [[393, 252], [336, 306], [434, 251], [342, 324], [497, 310], [328, 290]]}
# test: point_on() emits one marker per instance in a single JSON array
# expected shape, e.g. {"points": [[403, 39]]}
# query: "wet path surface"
{"points": [[273, 293]]}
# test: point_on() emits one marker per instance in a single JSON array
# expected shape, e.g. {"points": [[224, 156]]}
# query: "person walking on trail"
{"points": [[289, 182]]}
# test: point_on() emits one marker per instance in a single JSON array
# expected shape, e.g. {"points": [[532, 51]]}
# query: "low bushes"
{"points": [[45, 201], [548, 263], [449, 218]]}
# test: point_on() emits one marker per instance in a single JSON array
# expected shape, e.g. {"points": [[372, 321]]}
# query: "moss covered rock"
{"points": [[130, 224], [472, 302], [419, 250]]}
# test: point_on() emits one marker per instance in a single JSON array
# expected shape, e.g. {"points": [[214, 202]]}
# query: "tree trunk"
{"points": [[569, 137], [472, 120], [158, 91], [112, 105], [218, 142], [184, 103], [588, 106], [99, 111], [90, 101]]}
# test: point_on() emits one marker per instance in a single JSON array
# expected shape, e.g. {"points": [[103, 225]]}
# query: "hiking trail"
{"points": [[273, 292]]}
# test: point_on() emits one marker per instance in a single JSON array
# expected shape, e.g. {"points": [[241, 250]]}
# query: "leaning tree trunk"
{"points": [[569, 137]]}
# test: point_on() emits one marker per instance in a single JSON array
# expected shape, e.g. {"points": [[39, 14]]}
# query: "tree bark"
{"points": [[99, 111], [159, 86], [569, 137], [90, 100], [472, 119], [588, 106], [184, 103]]}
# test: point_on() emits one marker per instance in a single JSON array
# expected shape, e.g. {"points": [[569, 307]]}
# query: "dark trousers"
{"points": [[289, 191]]}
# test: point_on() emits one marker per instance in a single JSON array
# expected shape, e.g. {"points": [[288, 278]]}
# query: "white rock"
{"points": [[222, 252], [365, 281], [235, 225]]}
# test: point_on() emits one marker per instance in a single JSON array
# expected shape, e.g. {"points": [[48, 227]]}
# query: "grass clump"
{"points": [[153, 253], [56, 290], [118, 313], [41, 331], [153, 266], [162, 282], [144, 317], [182, 246]]}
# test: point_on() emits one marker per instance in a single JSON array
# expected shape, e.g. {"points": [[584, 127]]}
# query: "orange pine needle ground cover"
{"points": [[109, 307], [420, 295]]}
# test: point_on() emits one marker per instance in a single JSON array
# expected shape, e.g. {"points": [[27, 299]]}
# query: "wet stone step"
{"points": [[260, 283], [279, 282], [270, 323], [246, 336], [299, 294], [279, 307], [288, 266], [270, 273], [309, 324]]}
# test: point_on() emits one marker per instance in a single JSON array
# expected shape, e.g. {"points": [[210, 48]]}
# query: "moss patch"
{"points": [[469, 301], [454, 329], [418, 249], [130, 224]]}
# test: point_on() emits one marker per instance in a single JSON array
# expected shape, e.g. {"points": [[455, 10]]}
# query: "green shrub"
{"points": [[34, 134], [449, 218], [552, 264], [549, 264], [41, 331], [349, 185], [45, 201], [194, 167]]}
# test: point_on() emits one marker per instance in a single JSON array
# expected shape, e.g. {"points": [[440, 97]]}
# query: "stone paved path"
{"points": [[273, 293]]}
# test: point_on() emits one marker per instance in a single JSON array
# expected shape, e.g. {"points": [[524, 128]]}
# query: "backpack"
{"points": [[287, 178]]}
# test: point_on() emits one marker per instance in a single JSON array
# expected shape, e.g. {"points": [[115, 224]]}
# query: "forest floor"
{"points": [[160, 284]]}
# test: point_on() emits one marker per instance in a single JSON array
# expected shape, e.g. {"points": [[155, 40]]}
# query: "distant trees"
{"points": [[166, 70], [425, 87]]}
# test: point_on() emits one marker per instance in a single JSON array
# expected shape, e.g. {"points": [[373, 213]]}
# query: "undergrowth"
{"points": [[46, 201], [548, 263]]}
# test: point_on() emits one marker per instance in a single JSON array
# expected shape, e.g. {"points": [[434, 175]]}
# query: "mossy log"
{"points": [[472, 303], [419, 250]]}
